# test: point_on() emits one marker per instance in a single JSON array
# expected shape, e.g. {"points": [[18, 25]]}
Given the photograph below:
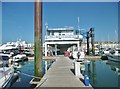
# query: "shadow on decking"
{"points": [[81, 79], [73, 71]]}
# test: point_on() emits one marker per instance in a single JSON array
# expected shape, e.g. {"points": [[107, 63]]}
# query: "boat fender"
{"points": [[86, 78]]}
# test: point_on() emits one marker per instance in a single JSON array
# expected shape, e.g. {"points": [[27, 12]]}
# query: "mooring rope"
{"points": [[29, 75]]}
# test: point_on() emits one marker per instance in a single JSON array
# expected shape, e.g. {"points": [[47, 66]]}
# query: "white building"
{"points": [[60, 39], [105, 45]]}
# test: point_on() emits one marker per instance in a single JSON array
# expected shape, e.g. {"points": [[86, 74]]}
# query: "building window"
{"points": [[59, 33]]}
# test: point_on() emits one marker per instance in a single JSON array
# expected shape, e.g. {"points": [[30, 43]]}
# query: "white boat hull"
{"points": [[17, 60], [19, 57], [114, 58], [5, 79]]}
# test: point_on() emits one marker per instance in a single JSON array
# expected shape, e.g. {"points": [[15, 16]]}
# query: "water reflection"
{"points": [[94, 72], [114, 66], [91, 70], [27, 73], [103, 73]]}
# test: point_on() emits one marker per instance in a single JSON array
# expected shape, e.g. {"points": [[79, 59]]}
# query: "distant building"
{"points": [[60, 39], [102, 45]]}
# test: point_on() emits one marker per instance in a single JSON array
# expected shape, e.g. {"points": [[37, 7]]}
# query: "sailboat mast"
{"points": [[79, 25]]}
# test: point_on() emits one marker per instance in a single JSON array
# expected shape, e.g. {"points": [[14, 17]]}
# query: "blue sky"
{"points": [[0, 23], [18, 18], [18, 21]]}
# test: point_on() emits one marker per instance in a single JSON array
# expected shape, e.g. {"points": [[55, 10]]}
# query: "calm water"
{"points": [[27, 72], [23, 80], [104, 73], [101, 74]]}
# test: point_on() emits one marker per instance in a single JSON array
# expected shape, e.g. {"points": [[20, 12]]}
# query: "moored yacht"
{"points": [[114, 55], [7, 47], [4, 58], [19, 57], [6, 73]]}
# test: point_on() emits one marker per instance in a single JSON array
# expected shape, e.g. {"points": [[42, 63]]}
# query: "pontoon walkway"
{"points": [[61, 74]]}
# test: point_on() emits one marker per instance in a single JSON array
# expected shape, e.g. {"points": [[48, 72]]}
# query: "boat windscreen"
{"points": [[4, 58]]}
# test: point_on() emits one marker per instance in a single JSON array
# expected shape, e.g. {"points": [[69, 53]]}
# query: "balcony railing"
{"points": [[64, 36]]}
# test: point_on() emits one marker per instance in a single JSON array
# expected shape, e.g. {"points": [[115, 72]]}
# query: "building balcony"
{"points": [[64, 37]]}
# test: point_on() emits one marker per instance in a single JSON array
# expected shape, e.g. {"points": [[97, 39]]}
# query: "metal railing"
{"points": [[64, 36]]}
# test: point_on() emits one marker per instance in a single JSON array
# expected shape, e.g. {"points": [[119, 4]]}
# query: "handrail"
{"points": [[63, 36]]}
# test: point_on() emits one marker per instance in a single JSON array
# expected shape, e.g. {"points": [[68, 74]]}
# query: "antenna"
{"points": [[108, 37], [116, 36]]}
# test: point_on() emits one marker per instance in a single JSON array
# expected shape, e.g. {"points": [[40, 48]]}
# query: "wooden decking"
{"points": [[61, 74]]}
